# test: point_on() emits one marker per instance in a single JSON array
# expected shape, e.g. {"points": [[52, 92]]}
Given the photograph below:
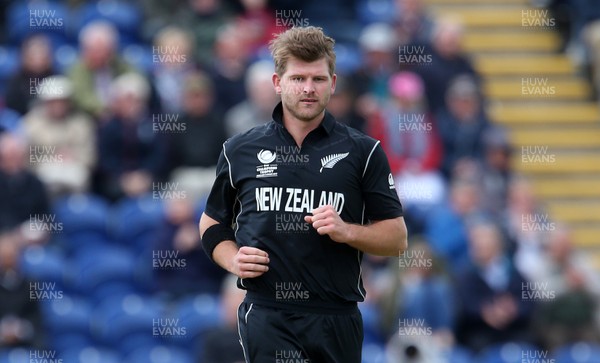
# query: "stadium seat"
{"points": [[15, 355], [126, 322], [90, 354], [84, 221], [139, 56], [375, 11], [125, 16], [67, 322], [25, 18], [9, 63], [506, 353], [373, 353], [102, 271], [581, 352], [159, 354], [43, 264], [133, 222]]}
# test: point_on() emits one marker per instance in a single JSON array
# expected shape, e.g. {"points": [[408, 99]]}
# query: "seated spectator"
{"points": [[412, 22], [569, 310], [204, 19], [257, 24], [448, 60], [98, 66], [462, 124], [258, 107], [221, 344], [132, 154], [66, 136], [412, 145], [194, 153], [36, 64], [23, 194], [526, 225], [179, 232], [370, 82], [446, 227], [341, 105], [489, 291], [20, 315], [175, 54], [229, 66], [496, 170]]}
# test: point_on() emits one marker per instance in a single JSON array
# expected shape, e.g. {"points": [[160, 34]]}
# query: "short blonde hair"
{"points": [[308, 44]]}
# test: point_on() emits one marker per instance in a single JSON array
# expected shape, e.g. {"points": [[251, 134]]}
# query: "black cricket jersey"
{"points": [[266, 184]]}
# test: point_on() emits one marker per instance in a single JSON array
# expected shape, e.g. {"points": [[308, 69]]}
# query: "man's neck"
{"points": [[299, 129]]}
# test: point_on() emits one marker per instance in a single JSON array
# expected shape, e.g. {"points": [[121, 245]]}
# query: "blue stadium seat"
{"points": [[126, 322], [43, 264], [348, 58], [375, 11], [67, 322], [64, 57], [197, 314], [139, 56], [126, 17], [133, 222], [506, 353], [90, 354], [371, 323], [15, 355], [25, 18], [159, 354], [581, 352], [373, 353], [84, 221], [102, 271], [9, 63]]}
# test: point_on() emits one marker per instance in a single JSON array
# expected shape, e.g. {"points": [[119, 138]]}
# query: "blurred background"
{"points": [[112, 116]]}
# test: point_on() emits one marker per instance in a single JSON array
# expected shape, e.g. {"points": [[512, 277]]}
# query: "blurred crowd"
{"points": [[112, 119]]}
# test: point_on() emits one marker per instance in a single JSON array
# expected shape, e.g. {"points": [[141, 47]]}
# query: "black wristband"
{"points": [[214, 235]]}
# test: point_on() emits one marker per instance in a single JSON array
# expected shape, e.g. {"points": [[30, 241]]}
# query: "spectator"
{"points": [[175, 64], [131, 153], [10, 120], [490, 294], [36, 64], [257, 108], [568, 313], [496, 169], [413, 147], [204, 19], [370, 82], [229, 67], [23, 194], [462, 124], [526, 225], [257, 24], [221, 344], [412, 23], [448, 61], [446, 228], [341, 105], [54, 125], [99, 65], [20, 315], [194, 153], [179, 232]]}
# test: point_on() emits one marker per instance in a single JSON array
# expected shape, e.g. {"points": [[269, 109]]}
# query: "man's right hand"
{"points": [[249, 262]]}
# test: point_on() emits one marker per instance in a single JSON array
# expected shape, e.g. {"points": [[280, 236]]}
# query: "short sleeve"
{"points": [[378, 187], [221, 200]]}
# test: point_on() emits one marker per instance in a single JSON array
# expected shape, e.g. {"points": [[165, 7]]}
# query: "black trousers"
{"points": [[287, 336]]}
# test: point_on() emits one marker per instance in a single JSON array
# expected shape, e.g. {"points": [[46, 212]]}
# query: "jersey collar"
{"points": [[326, 125]]}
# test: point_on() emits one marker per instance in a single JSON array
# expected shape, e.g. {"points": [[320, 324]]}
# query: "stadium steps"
{"points": [[564, 122]]}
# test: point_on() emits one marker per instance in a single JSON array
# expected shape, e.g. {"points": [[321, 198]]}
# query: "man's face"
{"points": [[305, 88]]}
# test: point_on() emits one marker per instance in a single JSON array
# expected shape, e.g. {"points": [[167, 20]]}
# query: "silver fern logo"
{"points": [[329, 161]]}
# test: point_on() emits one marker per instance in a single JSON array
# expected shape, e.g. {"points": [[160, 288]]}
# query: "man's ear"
{"points": [[276, 83], [333, 80]]}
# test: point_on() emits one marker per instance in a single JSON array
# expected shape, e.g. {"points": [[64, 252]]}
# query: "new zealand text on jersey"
{"points": [[296, 199]]}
